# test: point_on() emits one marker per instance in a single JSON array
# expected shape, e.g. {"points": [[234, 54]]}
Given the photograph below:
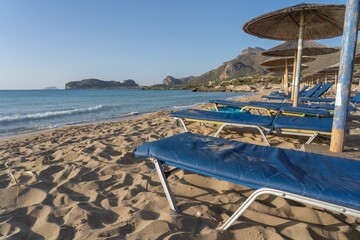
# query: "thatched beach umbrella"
{"points": [[284, 61], [289, 48], [281, 61], [281, 68], [300, 22], [333, 69]]}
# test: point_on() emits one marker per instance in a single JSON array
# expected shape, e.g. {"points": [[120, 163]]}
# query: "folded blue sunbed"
{"points": [[262, 123], [306, 94], [323, 90], [276, 106], [321, 125], [230, 117], [271, 107], [355, 99], [328, 182], [279, 94], [299, 126]]}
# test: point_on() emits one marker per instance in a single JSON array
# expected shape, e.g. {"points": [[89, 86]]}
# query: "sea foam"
{"points": [[19, 117]]}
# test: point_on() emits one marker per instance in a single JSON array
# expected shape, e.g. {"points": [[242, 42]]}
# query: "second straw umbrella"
{"points": [[300, 22], [284, 62]]}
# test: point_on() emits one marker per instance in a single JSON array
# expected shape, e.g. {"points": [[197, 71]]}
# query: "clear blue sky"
{"points": [[51, 42]]}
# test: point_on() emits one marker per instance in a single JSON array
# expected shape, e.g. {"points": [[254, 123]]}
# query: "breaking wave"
{"points": [[18, 117]]}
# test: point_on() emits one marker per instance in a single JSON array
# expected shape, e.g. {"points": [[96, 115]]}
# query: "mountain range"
{"points": [[247, 64]]}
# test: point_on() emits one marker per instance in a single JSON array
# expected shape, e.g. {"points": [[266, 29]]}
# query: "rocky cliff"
{"points": [[93, 83], [171, 81], [246, 64]]}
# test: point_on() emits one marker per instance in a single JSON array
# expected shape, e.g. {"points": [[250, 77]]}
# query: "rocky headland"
{"points": [[94, 83]]}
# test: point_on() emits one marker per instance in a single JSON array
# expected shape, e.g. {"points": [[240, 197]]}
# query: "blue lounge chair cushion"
{"points": [[356, 98], [306, 94], [322, 90], [273, 106], [276, 105], [228, 117], [326, 100], [306, 111], [330, 107], [331, 179], [312, 91], [303, 123], [229, 103], [276, 97], [287, 107], [231, 109]]}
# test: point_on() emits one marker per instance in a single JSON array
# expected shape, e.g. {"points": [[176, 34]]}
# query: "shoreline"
{"points": [[52, 121], [117, 119]]}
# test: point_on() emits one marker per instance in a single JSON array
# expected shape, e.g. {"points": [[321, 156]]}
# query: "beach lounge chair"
{"points": [[319, 93], [269, 108], [281, 93], [272, 108], [298, 126], [327, 182], [354, 100], [263, 124], [306, 94]]}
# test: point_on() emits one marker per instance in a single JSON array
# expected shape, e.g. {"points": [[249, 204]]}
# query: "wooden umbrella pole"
{"points": [[293, 77], [335, 81], [286, 78], [347, 56], [298, 61]]}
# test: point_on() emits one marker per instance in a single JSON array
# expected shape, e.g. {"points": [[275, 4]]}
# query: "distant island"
{"points": [[94, 83], [51, 88]]}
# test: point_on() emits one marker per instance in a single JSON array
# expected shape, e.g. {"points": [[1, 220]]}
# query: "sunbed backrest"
{"points": [[322, 90], [303, 89], [310, 92]]}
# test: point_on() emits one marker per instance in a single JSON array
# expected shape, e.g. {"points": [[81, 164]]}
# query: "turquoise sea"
{"points": [[23, 111]]}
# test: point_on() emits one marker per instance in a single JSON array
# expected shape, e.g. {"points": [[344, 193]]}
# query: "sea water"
{"points": [[23, 111]]}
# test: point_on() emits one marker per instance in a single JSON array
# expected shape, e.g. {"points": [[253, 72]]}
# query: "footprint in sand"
{"points": [[17, 197]]}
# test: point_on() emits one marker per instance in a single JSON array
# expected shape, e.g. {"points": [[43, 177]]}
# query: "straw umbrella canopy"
{"points": [[333, 69], [284, 61], [281, 68], [284, 70], [320, 20], [289, 48], [281, 61]]}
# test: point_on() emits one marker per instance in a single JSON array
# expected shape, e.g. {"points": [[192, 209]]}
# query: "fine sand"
{"points": [[83, 182]]}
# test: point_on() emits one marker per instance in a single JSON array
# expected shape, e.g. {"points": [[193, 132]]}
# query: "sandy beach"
{"points": [[83, 182]]}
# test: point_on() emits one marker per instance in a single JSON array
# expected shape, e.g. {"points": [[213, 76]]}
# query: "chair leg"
{"points": [[165, 185], [309, 140], [182, 124], [219, 130], [286, 195], [241, 209], [263, 135]]}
